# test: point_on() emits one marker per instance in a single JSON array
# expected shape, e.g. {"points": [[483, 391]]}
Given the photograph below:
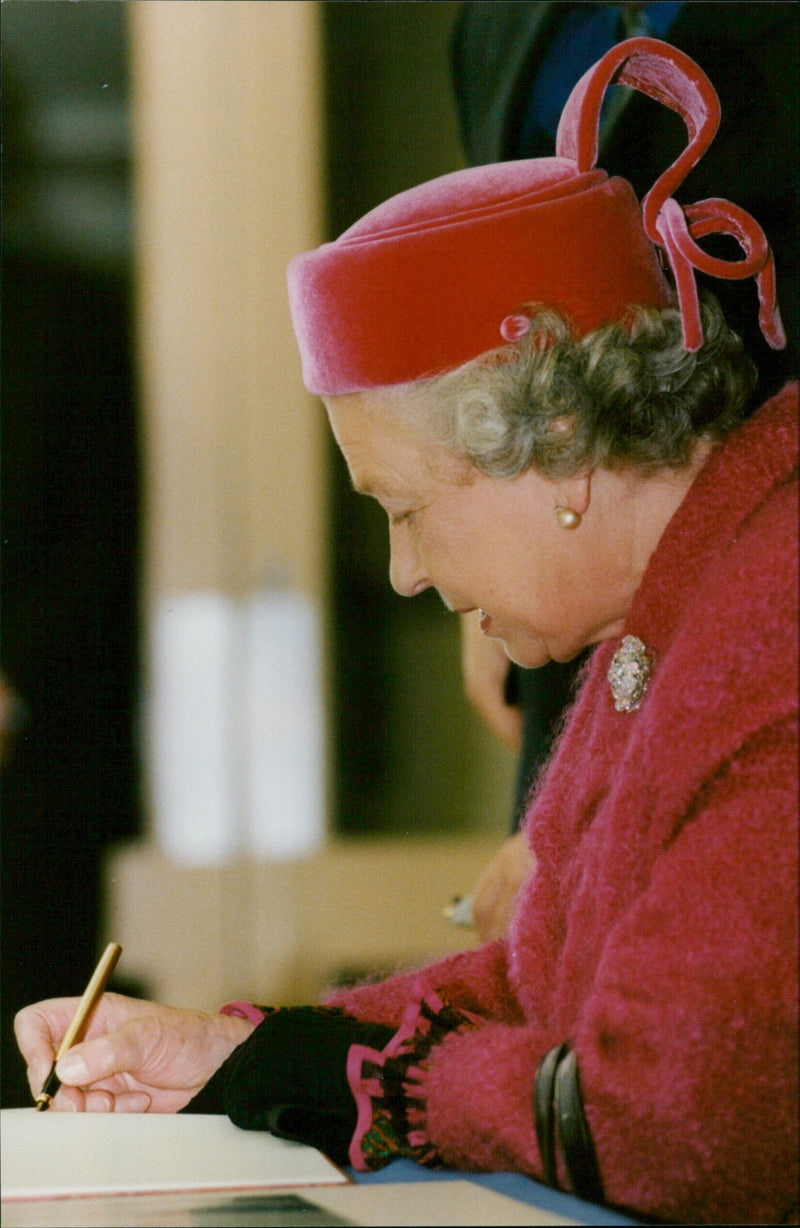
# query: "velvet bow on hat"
{"points": [[438, 275]]}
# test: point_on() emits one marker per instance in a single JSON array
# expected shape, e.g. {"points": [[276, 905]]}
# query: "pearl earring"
{"points": [[567, 517]]}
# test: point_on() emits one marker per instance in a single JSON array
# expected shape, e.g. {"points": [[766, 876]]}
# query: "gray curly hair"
{"points": [[627, 394]]}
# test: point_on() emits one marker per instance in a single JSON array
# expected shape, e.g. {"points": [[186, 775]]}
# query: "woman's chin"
{"points": [[527, 656]]}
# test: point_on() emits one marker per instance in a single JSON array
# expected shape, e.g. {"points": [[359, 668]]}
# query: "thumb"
{"points": [[93, 1060], [124, 1051], [73, 1069]]}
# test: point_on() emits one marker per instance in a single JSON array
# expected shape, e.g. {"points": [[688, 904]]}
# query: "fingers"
{"points": [[489, 907], [84, 1069], [494, 900], [99, 1100], [123, 1051], [132, 1102], [68, 1100], [38, 1030], [123, 1102]]}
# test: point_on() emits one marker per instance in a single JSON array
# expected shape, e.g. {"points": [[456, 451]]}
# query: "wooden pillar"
{"points": [[227, 170]]}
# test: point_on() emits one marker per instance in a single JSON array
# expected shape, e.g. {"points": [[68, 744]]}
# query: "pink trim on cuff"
{"points": [[367, 1089], [243, 1010]]}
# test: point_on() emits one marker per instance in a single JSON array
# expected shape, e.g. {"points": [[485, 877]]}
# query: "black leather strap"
{"points": [[544, 1112], [560, 1122], [574, 1138]]}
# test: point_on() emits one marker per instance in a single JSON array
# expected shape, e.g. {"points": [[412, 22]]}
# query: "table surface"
{"points": [[513, 1185], [402, 1194], [172, 1171]]}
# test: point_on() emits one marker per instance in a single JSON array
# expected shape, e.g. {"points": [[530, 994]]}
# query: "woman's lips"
{"points": [[486, 621]]}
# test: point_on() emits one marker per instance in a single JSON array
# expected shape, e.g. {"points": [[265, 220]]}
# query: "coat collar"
{"points": [[738, 477]]}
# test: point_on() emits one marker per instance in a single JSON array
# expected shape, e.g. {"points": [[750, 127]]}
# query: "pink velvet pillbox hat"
{"points": [[440, 274]]}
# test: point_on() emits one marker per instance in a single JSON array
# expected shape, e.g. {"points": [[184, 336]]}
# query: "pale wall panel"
{"points": [[227, 168], [283, 933], [227, 188]]}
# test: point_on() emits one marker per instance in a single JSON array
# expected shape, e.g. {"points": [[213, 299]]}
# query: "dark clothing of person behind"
{"points": [[749, 51]]}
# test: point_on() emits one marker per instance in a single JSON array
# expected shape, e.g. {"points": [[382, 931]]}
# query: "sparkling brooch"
{"points": [[629, 674]]}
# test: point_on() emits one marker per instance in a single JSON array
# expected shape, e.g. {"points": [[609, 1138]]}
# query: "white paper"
{"points": [[48, 1155]]}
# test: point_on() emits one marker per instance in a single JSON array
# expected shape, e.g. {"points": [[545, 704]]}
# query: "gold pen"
{"points": [[74, 1033]]}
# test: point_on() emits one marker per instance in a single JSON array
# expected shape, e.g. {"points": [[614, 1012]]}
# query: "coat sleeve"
{"points": [[688, 1046], [687, 1042], [475, 981]]}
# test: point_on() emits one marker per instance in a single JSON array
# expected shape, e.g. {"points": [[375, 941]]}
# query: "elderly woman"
{"points": [[564, 442]]}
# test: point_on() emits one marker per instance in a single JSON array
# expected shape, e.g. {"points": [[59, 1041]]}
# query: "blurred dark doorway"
{"points": [[70, 502]]}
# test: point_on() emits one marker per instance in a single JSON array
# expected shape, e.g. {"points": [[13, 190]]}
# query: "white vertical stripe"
{"points": [[235, 726], [284, 750], [191, 747]]}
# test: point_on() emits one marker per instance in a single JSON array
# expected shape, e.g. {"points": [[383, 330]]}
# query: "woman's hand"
{"points": [[494, 900], [485, 667], [137, 1056]]}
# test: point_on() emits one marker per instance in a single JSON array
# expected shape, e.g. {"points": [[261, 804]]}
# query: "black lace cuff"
{"points": [[289, 1077]]}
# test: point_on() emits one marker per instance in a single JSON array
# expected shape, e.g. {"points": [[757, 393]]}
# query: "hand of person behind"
{"points": [[494, 899], [137, 1057], [485, 667]]}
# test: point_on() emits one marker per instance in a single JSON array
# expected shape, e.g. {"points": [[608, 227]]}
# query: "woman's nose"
{"points": [[406, 573]]}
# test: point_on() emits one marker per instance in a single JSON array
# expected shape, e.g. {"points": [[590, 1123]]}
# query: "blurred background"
{"points": [[226, 743]]}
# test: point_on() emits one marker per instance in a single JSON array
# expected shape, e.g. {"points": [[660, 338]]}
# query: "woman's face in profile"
{"points": [[484, 543]]}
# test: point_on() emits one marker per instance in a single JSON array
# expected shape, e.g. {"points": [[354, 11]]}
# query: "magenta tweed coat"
{"points": [[659, 931]]}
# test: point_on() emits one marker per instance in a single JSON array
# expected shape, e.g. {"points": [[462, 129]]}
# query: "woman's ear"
{"points": [[574, 493]]}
